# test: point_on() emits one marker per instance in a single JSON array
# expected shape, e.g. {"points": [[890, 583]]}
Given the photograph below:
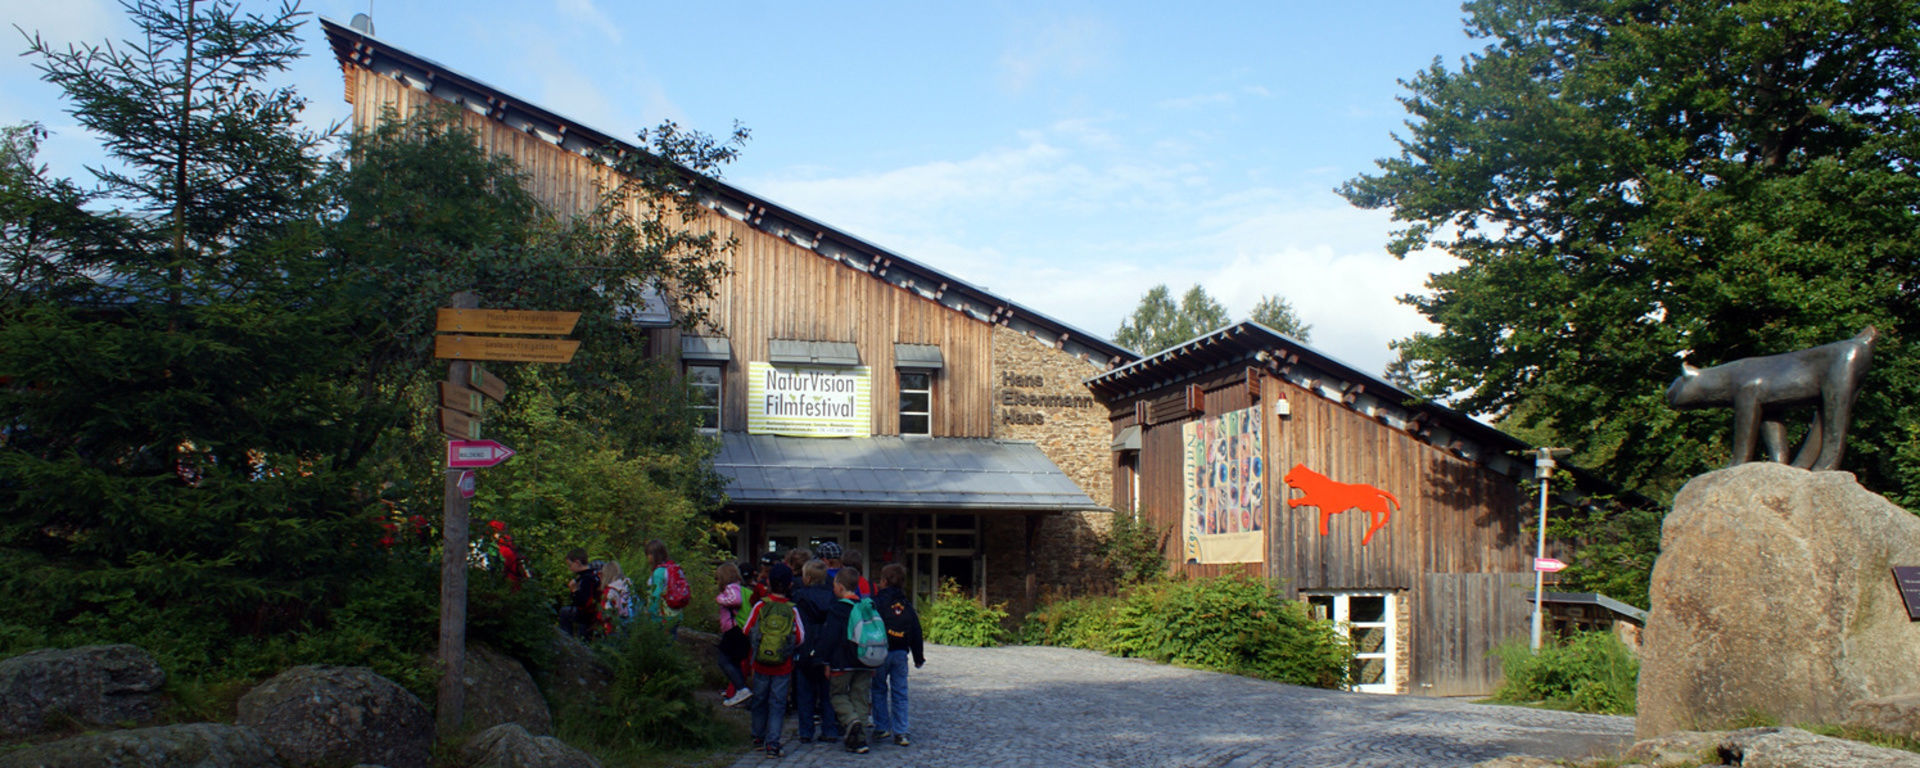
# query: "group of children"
{"points": [[601, 601], [833, 644]]}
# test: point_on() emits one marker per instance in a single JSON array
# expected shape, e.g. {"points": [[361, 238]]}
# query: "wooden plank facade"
{"points": [[1453, 555], [1004, 372]]}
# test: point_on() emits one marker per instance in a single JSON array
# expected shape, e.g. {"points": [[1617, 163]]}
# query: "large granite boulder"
{"points": [[575, 675], [510, 746], [330, 716], [93, 685], [1795, 748], [195, 745], [499, 690], [1773, 596], [1894, 715]]}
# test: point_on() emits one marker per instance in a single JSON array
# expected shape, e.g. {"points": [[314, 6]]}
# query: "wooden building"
{"points": [[859, 397], [1396, 517]]}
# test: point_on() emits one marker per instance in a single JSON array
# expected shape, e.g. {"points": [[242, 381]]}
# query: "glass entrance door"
{"points": [[944, 547], [1367, 619]]}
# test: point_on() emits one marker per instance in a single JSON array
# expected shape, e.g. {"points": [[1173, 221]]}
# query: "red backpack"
{"points": [[677, 593]]}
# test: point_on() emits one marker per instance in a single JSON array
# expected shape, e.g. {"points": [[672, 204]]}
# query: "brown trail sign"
{"points": [[462, 401], [506, 348]]}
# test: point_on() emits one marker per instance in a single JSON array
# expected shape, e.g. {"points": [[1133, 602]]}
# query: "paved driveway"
{"points": [[1061, 708]]}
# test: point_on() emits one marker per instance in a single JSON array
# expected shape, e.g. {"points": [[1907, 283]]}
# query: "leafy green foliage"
{"points": [[1591, 672], [1158, 324], [1276, 313], [650, 705], [1083, 622], [1131, 549], [1231, 624], [215, 395], [956, 618], [1625, 183]]}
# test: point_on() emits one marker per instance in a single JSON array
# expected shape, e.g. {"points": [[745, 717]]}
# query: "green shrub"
{"points": [[1131, 549], [955, 618], [1086, 622], [650, 705], [1591, 672], [1229, 624]]}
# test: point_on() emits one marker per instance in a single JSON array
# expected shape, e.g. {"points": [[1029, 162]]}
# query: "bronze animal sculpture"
{"points": [[1760, 388]]}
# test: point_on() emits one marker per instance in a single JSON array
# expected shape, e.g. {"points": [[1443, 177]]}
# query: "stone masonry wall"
{"points": [[1038, 396]]}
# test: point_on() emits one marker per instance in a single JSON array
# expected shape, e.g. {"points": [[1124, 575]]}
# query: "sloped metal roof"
{"points": [[919, 473]]}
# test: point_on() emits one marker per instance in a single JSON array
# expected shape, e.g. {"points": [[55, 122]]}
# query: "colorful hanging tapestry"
{"points": [[1224, 516]]}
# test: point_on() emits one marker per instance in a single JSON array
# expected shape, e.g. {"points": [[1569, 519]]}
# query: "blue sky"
{"points": [[1068, 156]]}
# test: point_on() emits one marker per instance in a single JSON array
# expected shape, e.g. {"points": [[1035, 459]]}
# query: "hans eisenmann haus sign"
{"points": [[808, 402]]}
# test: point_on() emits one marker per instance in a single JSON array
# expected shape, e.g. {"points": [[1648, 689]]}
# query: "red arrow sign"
{"points": [[1547, 565], [473, 454]]}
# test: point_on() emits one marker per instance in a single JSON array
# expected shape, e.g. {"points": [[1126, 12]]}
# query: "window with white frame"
{"points": [[705, 379], [916, 402], [1367, 620]]}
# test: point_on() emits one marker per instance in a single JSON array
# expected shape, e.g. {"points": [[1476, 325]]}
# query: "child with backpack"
{"points": [[903, 639], [667, 587], [580, 615], [859, 644], [773, 632], [814, 600], [616, 600], [733, 647]]}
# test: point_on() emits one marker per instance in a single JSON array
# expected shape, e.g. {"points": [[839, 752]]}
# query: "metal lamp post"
{"points": [[1543, 464]]}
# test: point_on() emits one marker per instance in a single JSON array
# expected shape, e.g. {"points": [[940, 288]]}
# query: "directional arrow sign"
{"points": [[508, 348], [473, 454], [1548, 565], [505, 321]]}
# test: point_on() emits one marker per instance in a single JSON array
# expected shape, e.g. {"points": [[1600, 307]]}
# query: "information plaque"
{"points": [[1908, 577]]}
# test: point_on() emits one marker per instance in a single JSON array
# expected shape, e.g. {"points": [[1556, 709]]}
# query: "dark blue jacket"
{"points": [[812, 603], [835, 648]]}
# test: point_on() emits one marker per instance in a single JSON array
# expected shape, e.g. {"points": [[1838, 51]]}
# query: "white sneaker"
{"points": [[738, 697]]}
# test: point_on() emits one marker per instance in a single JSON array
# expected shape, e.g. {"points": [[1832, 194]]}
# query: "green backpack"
{"points": [[868, 633], [773, 633]]}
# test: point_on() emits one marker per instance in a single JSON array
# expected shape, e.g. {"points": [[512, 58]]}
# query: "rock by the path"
{"points": [[1894, 715], [1795, 748], [194, 745], [328, 716], [1679, 748], [1772, 595], [93, 685], [499, 690], [510, 746], [1517, 761], [575, 674]]}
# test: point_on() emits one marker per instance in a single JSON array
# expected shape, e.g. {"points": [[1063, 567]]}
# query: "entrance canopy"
{"points": [[919, 473]]}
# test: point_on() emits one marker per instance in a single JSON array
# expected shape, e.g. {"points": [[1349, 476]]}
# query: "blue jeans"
{"points": [[890, 683], [810, 681], [770, 706]]}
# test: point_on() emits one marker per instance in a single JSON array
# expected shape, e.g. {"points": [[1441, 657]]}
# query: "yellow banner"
{"points": [[809, 401]]}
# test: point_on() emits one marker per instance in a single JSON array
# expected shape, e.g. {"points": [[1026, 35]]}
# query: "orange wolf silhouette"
{"points": [[1332, 497]]}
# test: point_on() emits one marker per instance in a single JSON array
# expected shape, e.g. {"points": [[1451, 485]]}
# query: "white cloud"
{"points": [[585, 14], [1059, 47], [1071, 224]]}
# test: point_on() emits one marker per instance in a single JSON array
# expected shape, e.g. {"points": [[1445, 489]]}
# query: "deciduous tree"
{"points": [[1630, 183]]}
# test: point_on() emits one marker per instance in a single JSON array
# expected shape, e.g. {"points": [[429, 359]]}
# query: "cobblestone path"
{"points": [[1061, 708]]}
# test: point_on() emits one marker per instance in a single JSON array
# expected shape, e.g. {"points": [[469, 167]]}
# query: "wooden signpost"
{"points": [[463, 398]]}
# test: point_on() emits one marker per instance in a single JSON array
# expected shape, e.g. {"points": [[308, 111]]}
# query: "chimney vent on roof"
{"points": [[362, 22]]}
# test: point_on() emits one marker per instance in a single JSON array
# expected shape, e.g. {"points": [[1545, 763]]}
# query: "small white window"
{"points": [[1367, 619], [916, 403], [705, 380]]}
